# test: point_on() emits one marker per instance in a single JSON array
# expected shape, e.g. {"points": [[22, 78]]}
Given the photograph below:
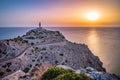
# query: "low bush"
{"points": [[72, 76], [8, 70], [56, 73], [26, 70], [2, 73]]}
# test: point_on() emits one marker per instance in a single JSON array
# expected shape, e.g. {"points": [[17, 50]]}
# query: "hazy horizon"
{"points": [[98, 26], [59, 12]]}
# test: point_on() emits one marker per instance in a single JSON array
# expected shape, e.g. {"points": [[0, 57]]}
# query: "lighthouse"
{"points": [[39, 24], [40, 27]]}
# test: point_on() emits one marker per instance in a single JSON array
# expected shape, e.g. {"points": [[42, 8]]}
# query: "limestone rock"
{"points": [[40, 46]]}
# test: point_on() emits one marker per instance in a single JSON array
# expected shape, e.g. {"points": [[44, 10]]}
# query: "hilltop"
{"points": [[40, 49]]}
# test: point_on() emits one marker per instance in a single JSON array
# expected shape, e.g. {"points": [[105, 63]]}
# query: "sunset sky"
{"points": [[59, 12]]}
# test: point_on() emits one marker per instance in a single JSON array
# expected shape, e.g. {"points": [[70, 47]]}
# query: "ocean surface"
{"points": [[12, 32], [103, 42]]}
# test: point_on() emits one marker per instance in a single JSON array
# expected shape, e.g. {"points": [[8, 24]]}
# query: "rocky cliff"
{"points": [[40, 46]]}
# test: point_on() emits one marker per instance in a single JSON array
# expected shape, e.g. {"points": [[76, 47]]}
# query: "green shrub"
{"points": [[8, 70], [4, 53], [56, 62], [0, 51], [9, 64], [36, 48], [33, 60], [2, 73], [26, 70], [61, 54], [54, 72], [30, 65], [26, 41], [32, 43], [36, 64], [72, 76]]}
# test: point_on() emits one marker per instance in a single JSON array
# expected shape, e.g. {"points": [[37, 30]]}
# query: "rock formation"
{"points": [[39, 46]]}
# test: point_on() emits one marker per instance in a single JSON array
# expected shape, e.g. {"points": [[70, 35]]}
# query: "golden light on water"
{"points": [[93, 41]]}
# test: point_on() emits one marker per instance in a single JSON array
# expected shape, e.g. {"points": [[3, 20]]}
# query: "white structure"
{"points": [[39, 24], [40, 27]]}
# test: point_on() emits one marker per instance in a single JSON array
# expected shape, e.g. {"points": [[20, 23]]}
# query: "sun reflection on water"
{"points": [[93, 41]]}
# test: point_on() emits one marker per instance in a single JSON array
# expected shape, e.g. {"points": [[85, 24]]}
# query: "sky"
{"points": [[59, 13]]}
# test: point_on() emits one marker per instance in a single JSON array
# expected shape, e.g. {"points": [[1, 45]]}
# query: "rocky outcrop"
{"points": [[37, 74], [93, 73], [43, 46]]}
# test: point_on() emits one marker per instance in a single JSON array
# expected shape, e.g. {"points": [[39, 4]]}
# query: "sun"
{"points": [[92, 16]]}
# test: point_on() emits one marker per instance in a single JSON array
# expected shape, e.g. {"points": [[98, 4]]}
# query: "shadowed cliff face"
{"points": [[3, 47], [44, 46]]}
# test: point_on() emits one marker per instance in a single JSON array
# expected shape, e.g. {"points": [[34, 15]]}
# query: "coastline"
{"points": [[70, 54], [103, 48]]}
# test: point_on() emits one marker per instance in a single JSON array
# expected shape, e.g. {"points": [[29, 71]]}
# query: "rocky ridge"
{"points": [[40, 46]]}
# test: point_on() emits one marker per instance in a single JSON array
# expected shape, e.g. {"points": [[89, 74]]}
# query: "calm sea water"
{"points": [[103, 42], [12, 32]]}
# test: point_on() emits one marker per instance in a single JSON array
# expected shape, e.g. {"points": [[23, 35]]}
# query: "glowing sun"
{"points": [[92, 16]]}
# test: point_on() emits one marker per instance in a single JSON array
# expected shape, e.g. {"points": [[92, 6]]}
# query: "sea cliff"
{"points": [[40, 49]]}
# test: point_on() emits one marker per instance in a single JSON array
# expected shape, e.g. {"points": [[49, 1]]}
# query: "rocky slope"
{"points": [[92, 73], [40, 46], [38, 73]]}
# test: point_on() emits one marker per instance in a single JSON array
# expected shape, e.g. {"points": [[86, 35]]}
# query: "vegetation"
{"points": [[30, 65], [36, 48], [9, 64], [56, 62], [2, 73], [7, 41], [61, 54], [8, 70], [19, 38], [26, 70], [41, 57], [72, 76], [0, 51], [32, 43], [15, 39], [31, 38], [33, 60], [52, 73], [66, 61], [4, 66], [56, 73], [36, 64], [26, 41], [38, 59]]}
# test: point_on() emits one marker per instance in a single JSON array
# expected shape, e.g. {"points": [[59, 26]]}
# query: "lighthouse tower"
{"points": [[39, 24], [40, 27]]}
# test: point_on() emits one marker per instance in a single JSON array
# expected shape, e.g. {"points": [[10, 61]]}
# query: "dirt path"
{"points": [[23, 52]]}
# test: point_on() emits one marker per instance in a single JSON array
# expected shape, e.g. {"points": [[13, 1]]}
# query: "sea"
{"points": [[104, 42]]}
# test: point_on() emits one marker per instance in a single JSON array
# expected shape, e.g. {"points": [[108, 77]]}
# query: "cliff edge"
{"points": [[40, 46]]}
